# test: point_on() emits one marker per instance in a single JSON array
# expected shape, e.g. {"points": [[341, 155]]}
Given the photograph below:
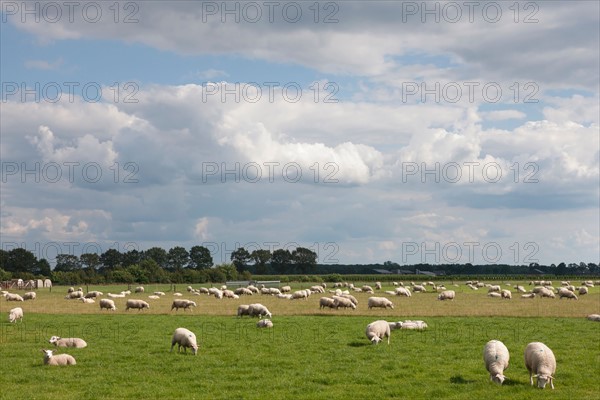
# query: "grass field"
{"points": [[309, 354]]}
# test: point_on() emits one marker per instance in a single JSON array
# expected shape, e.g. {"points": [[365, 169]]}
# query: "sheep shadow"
{"points": [[358, 344], [458, 379]]}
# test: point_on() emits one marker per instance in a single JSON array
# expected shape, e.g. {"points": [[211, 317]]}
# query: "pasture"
{"points": [[310, 353]]}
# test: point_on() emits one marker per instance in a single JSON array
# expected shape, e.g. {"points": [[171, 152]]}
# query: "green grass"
{"points": [[309, 354]]}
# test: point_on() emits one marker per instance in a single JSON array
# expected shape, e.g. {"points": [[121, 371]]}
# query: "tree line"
{"points": [[178, 265]]}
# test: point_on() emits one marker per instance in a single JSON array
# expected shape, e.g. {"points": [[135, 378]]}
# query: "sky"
{"points": [[438, 132]]}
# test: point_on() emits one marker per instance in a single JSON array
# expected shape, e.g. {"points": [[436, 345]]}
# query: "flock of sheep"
{"points": [[539, 359]]}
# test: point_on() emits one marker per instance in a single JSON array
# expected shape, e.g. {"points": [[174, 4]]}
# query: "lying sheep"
{"points": [[327, 302], [67, 342], [496, 358], [86, 300], [259, 310], [418, 288], [154, 297], [264, 323], [184, 338], [540, 363], [520, 289], [13, 297], [447, 295], [494, 294], [414, 325], [528, 296], [139, 289], [75, 295], [182, 303], [594, 317], [159, 293], [177, 294], [286, 296], [494, 288], [108, 304], [378, 330], [380, 302], [93, 294], [395, 325], [139, 304], [583, 290], [286, 289], [506, 294], [377, 285], [59, 359], [71, 289], [115, 295], [29, 296], [15, 314]]}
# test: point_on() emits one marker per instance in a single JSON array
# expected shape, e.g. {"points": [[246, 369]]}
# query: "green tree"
{"points": [[131, 257], [261, 258], [200, 258], [67, 263], [159, 255], [305, 259], [153, 271], [42, 267], [281, 261], [178, 257], [111, 258], [19, 260], [90, 260], [240, 259]]}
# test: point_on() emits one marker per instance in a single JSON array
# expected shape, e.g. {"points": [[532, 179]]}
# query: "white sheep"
{"points": [[496, 358], [86, 300], [29, 296], [418, 288], [259, 310], [13, 297], [380, 302], [520, 289], [71, 289], [540, 363], [506, 294], [215, 292], [139, 304], [300, 294], [528, 296], [562, 292], [154, 297], [67, 342], [139, 289], [126, 292], [115, 295], [159, 293], [414, 325], [93, 294], [494, 288], [59, 359], [583, 290], [594, 317], [15, 314], [264, 323], [402, 291], [327, 302], [494, 294], [547, 293], [182, 303], [177, 294], [286, 296], [344, 302], [395, 325], [108, 304], [286, 289], [243, 309], [377, 285], [378, 330], [367, 288], [184, 338], [230, 294], [447, 295], [243, 291]]}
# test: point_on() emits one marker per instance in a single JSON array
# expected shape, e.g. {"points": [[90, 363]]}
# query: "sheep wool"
{"points": [[540, 363], [496, 358], [447, 295], [59, 359], [139, 304], [380, 302], [15, 314], [378, 330], [108, 304], [68, 342], [184, 338]]}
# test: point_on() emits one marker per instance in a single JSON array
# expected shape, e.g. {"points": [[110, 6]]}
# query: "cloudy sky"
{"points": [[367, 131]]}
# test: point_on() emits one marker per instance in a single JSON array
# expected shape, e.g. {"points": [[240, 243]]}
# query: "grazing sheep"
{"points": [[29, 296], [367, 288], [528, 296], [494, 288], [243, 291], [264, 323], [93, 294], [402, 291], [377, 285], [59, 359], [286, 289], [583, 290], [300, 294], [15, 314], [494, 294], [344, 302], [395, 325], [139, 304], [447, 295], [327, 302], [506, 294], [594, 317], [215, 292], [67, 342], [13, 297], [520, 289], [378, 330], [473, 287], [317, 289], [547, 293], [184, 338], [182, 303], [496, 358], [562, 292], [418, 288], [414, 325], [75, 295], [139, 289], [253, 289], [87, 301], [108, 304], [380, 302], [540, 363], [350, 297], [154, 297], [229, 294], [243, 309], [259, 310]]}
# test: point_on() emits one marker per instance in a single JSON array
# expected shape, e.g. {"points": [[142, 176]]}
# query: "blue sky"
{"points": [[360, 179]]}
